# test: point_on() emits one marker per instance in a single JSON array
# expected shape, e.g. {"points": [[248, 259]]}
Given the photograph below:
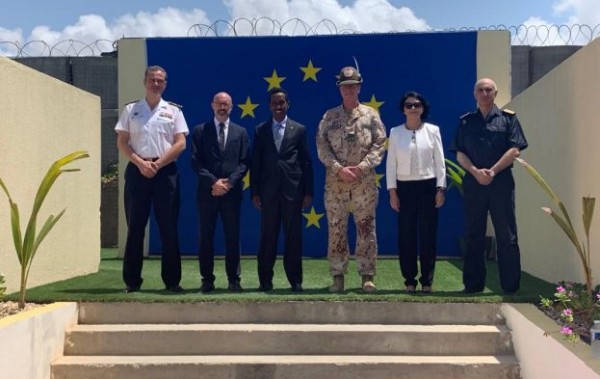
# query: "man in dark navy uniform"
{"points": [[486, 143], [151, 134]]}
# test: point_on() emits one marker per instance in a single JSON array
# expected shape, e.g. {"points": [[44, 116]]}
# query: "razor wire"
{"points": [[520, 35]]}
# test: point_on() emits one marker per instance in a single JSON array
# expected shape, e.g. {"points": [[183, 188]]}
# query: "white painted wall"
{"points": [[44, 119], [559, 114], [30, 341]]}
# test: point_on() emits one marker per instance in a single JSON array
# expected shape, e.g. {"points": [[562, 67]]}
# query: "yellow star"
{"points": [[313, 218], [310, 71], [247, 108], [246, 180], [274, 80], [373, 103], [378, 179]]}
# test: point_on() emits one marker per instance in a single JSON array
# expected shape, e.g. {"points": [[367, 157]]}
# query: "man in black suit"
{"points": [[281, 180], [219, 157]]}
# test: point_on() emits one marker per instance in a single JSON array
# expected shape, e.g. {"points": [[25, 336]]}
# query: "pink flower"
{"points": [[567, 331], [560, 289], [567, 312], [598, 296]]}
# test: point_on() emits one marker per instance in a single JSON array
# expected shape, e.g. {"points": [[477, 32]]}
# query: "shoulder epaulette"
{"points": [[508, 111], [133, 101], [465, 115], [175, 104]]}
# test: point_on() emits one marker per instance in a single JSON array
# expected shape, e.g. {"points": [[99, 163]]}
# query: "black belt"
{"points": [[150, 159]]}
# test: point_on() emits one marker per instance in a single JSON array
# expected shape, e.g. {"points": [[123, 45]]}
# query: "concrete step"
{"points": [[293, 312], [286, 367], [287, 339], [291, 340]]}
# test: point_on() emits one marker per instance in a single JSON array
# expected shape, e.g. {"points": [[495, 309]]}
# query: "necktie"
{"points": [[279, 135], [221, 137]]}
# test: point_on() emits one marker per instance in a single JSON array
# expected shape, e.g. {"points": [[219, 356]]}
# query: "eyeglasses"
{"points": [[486, 89], [415, 105]]}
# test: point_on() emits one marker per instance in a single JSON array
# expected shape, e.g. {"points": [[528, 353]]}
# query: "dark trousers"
{"points": [[499, 199], [162, 194], [273, 214], [417, 230], [229, 209]]}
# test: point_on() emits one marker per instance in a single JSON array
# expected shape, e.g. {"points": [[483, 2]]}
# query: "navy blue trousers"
{"points": [[160, 193], [499, 199]]}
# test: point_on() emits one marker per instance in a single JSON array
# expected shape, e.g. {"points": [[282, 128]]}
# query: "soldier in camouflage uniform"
{"points": [[351, 143]]}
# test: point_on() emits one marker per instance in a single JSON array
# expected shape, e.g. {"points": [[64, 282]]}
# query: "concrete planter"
{"points": [[31, 340], [541, 350]]}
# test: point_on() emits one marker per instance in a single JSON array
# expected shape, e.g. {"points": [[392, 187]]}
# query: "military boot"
{"points": [[338, 284], [367, 284]]}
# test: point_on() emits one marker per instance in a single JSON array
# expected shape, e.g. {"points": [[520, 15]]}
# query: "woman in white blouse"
{"points": [[416, 180]]}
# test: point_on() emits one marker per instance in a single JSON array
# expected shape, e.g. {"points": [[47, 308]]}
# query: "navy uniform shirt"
{"points": [[485, 141]]}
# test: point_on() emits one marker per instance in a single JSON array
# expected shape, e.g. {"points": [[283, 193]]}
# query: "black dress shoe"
{"points": [[472, 290], [174, 289], [508, 292], [265, 287], [207, 287], [129, 289], [235, 287], [296, 287]]}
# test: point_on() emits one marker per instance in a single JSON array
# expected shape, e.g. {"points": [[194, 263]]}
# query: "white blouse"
{"points": [[427, 149]]}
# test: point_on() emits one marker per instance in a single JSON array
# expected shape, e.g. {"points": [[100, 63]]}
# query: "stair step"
{"points": [[297, 312], [256, 339], [286, 367]]}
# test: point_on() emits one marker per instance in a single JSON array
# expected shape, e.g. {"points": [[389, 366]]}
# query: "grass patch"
{"points": [[107, 284]]}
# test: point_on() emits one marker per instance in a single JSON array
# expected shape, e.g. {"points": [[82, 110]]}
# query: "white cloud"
{"points": [[579, 11], [11, 41], [82, 36], [363, 15]]}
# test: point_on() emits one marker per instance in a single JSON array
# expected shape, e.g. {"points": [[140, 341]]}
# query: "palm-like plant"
{"points": [[564, 222], [27, 245], [455, 175]]}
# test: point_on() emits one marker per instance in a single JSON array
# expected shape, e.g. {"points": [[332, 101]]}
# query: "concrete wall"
{"points": [[559, 114], [30, 341], [541, 350], [45, 119], [531, 63], [97, 75]]}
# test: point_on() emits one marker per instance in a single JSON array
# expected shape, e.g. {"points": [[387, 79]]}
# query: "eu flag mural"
{"points": [[441, 66]]}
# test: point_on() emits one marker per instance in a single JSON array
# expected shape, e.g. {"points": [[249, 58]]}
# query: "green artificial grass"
{"points": [[107, 285]]}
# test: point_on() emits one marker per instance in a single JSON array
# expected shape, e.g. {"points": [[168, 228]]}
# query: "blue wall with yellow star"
{"points": [[441, 66]]}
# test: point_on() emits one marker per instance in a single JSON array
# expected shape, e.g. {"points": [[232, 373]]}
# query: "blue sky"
{"points": [[89, 20]]}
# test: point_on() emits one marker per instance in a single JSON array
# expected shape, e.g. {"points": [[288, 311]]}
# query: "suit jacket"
{"points": [[210, 164], [288, 171]]}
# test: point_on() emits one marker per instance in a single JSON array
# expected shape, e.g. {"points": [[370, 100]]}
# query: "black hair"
{"points": [[275, 90], [419, 97]]}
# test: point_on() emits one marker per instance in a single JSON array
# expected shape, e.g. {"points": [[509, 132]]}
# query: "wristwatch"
{"points": [[440, 189]]}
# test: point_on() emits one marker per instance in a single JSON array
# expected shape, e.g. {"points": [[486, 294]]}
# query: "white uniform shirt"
{"points": [[151, 132], [429, 152]]}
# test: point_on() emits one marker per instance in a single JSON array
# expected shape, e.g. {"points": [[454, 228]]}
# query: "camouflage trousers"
{"points": [[360, 200]]}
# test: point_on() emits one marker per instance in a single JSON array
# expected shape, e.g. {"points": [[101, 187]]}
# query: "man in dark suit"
{"points": [[281, 180], [219, 157]]}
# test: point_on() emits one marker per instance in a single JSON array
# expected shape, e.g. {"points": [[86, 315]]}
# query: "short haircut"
{"points": [[154, 68], [275, 90]]}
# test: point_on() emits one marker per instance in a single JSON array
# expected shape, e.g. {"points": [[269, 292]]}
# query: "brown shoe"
{"points": [[367, 284], [410, 289], [426, 289], [338, 284]]}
